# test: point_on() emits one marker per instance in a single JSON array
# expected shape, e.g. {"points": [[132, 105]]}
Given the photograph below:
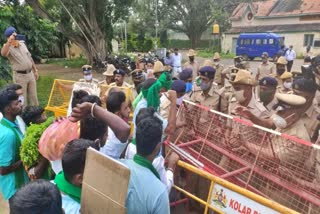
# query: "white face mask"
{"points": [[88, 77], [21, 99], [149, 70], [279, 122], [179, 101], [287, 85], [240, 96]]}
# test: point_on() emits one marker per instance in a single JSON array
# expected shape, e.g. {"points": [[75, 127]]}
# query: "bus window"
{"points": [[271, 41], [258, 41], [265, 41], [241, 42], [247, 42]]}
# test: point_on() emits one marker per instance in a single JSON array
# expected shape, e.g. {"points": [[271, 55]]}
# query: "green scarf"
{"points": [[145, 163], [19, 174], [64, 186], [152, 93]]}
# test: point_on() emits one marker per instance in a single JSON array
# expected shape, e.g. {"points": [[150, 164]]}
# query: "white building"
{"points": [[296, 20]]}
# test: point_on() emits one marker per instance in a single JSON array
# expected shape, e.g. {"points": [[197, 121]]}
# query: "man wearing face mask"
{"points": [[280, 68], [186, 76], [87, 75], [286, 79], [243, 86], [219, 78], [192, 63], [267, 91], [266, 68], [289, 111], [307, 88], [209, 95]]}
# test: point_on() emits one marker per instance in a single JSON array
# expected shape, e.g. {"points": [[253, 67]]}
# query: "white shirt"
{"points": [[69, 205], [176, 60], [113, 147], [290, 55]]}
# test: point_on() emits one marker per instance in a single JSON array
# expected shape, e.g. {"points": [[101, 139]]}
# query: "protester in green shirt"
{"points": [[12, 174]]}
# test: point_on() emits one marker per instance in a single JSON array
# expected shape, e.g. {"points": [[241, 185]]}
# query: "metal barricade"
{"points": [[225, 197], [273, 165]]}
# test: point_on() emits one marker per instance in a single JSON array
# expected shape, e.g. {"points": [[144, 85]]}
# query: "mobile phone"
{"points": [[20, 37]]}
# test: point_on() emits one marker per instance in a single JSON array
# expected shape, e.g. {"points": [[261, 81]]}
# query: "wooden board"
{"points": [[105, 184]]}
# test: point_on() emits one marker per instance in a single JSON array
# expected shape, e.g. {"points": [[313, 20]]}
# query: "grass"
{"points": [[44, 85], [71, 63], [209, 54]]}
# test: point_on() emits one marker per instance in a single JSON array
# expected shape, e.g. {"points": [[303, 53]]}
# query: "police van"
{"points": [[251, 45]]}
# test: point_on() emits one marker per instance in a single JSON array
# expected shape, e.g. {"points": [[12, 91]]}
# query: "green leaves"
{"points": [[29, 149]]}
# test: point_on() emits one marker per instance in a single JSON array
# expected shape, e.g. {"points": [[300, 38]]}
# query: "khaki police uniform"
{"points": [[266, 70], [21, 61], [215, 99], [218, 77], [194, 66]]}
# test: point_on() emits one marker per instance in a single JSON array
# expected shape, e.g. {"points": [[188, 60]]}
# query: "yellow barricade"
{"points": [[61, 92], [225, 197]]}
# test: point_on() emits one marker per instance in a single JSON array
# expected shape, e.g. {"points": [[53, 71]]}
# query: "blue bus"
{"points": [[251, 45]]}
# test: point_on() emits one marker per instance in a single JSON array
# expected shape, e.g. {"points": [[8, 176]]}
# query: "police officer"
{"points": [[219, 79], [24, 69], [209, 95], [307, 88], [87, 75], [137, 79], [266, 68], [109, 74], [119, 79], [267, 91], [280, 68], [243, 86], [286, 83]]}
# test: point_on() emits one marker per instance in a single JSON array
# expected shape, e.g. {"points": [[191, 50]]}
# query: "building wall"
{"points": [[296, 39]]}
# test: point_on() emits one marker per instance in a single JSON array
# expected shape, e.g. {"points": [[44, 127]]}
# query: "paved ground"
{"points": [[75, 73]]}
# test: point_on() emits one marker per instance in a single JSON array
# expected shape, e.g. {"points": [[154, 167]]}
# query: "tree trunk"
{"points": [[94, 45]]}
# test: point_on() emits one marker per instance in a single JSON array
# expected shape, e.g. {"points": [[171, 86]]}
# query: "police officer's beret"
{"points": [[207, 71], [291, 99], [304, 84], [185, 74], [268, 81], [178, 86], [119, 71], [9, 31], [87, 69]]}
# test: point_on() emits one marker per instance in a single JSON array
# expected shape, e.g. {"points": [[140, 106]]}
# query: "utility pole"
{"points": [[156, 25], [125, 36]]}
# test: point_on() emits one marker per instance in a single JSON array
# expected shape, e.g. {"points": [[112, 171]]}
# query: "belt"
{"points": [[23, 72]]}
